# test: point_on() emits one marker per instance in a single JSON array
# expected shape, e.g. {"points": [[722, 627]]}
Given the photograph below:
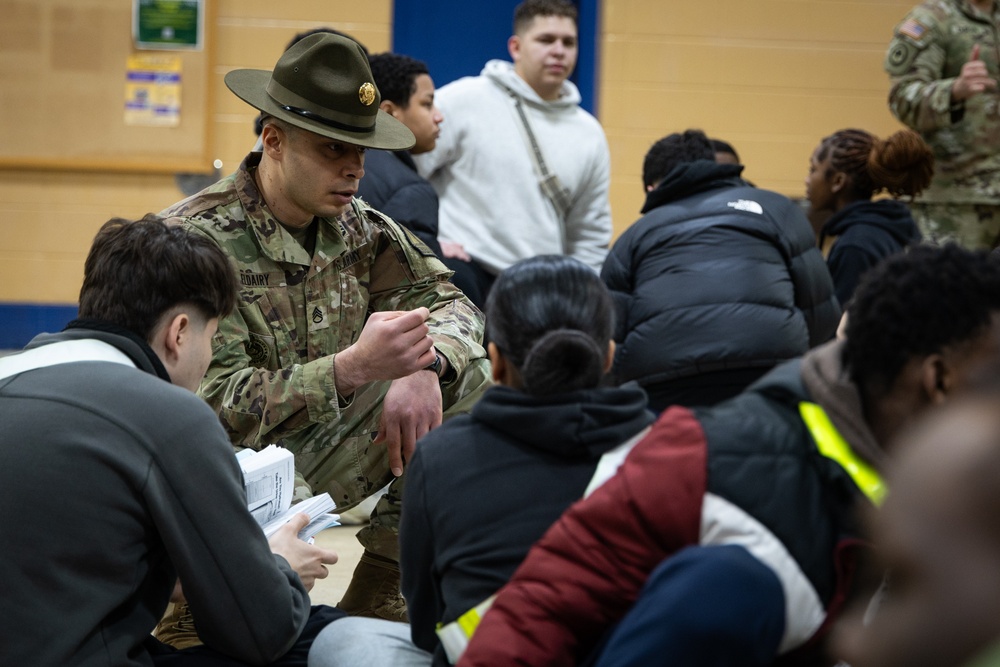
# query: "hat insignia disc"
{"points": [[366, 93]]}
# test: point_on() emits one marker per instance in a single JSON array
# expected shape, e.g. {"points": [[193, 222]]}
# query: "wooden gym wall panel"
{"points": [[772, 77], [254, 33], [63, 66], [49, 217]]}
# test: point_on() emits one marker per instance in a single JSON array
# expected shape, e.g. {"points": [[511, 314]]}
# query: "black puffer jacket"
{"points": [[392, 185], [717, 275]]}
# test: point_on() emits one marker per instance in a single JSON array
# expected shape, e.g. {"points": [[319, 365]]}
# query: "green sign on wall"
{"points": [[168, 24]]}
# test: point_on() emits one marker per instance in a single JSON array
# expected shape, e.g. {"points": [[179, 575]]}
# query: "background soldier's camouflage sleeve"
{"points": [[920, 96], [924, 59]]}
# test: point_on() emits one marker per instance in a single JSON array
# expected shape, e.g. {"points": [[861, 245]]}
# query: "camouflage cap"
{"points": [[323, 84]]}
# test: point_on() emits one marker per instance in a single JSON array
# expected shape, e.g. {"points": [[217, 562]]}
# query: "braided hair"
{"points": [[903, 164]]}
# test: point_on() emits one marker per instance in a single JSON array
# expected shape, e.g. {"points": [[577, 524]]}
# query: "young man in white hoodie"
{"points": [[488, 171]]}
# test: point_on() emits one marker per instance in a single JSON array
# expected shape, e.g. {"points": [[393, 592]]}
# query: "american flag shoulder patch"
{"points": [[912, 28]]}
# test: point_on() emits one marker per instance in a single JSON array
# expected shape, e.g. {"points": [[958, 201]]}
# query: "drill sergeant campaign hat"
{"points": [[323, 84]]}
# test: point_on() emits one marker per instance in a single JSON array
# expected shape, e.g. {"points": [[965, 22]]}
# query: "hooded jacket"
{"points": [[481, 167], [392, 185], [746, 472], [115, 483], [483, 487], [716, 275], [866, 233]]}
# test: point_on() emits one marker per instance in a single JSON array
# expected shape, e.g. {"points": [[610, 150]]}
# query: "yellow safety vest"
{"points": [[833, 446]]}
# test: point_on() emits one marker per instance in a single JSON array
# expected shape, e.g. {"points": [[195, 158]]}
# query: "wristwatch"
{"points": [[435, 367]]}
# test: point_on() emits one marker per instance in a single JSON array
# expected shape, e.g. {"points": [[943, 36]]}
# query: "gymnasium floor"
{"points": [[342, 540]]}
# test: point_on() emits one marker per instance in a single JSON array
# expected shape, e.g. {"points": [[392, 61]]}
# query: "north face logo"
{"points": [[746, 205]]}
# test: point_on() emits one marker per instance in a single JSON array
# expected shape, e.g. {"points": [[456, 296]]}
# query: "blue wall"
{"points": [[20, 322], [456, 38]]}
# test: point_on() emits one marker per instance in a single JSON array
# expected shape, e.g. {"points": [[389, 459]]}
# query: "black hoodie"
{"points": [[867, 232], [485, 486]]}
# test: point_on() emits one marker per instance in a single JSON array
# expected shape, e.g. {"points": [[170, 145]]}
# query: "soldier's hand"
{"points": [[308, 560], [411, 408], [392, 345], [973, 80]]}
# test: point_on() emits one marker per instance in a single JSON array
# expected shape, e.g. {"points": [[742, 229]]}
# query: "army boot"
{"points": [[176, 628], [374, 590]]}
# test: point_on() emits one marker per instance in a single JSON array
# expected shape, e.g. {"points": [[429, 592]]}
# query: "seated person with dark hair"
{"points": [[938, 538], [544, 428], [117, 479], [716, 284], [777, 471]]}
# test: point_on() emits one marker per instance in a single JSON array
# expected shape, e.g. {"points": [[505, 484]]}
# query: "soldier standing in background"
{"points": [[348, 341], [943, 61]]}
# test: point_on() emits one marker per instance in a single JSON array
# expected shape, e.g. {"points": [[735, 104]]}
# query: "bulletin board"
{"points": [[66, 77]]}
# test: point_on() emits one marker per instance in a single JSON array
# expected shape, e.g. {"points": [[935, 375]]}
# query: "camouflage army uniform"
{"points": [[271, 379], [924, 59]]}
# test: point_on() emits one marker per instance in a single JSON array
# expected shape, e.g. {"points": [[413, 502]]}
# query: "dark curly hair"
{"points": [[903, 164], [915, 304], [395, 76], [672, 150]]}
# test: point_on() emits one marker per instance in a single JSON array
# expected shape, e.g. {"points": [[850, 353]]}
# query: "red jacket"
{"points": [[745, 472]]}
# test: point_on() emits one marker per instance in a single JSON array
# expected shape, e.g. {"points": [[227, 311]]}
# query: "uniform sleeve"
{"points": [[420, 585], [920, 96], [258, 405], [248, 603], [588, 223], [588, 568], [406, 275], [415, 206]]}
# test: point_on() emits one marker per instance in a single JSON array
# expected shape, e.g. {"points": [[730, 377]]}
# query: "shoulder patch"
{"points": [[912, 28], [403, 234], [258, 348], [900, 57]]}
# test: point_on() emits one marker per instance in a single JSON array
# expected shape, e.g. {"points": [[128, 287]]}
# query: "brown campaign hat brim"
{"points": [[250, 85]]}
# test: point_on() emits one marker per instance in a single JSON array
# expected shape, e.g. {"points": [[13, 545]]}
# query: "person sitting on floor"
{"points": [[938, 539], [845, 171], [465, 527], [716, 284], [117, 479], [779, 472]]}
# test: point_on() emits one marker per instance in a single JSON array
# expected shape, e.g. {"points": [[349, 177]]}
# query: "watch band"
{"points": [[435, 366]]}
